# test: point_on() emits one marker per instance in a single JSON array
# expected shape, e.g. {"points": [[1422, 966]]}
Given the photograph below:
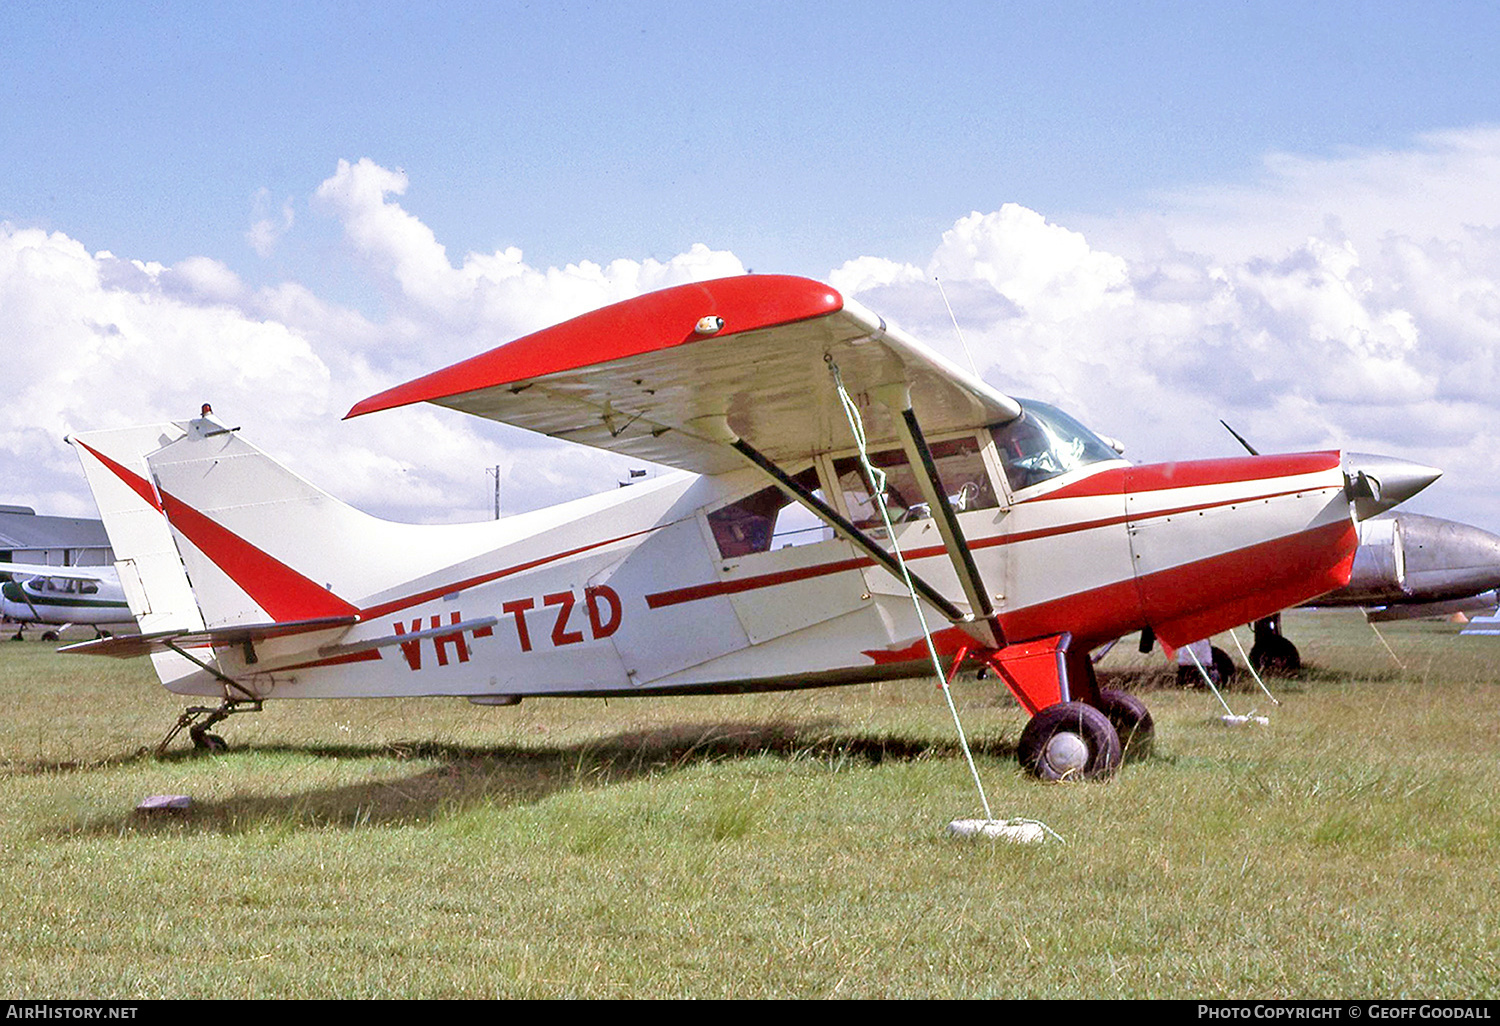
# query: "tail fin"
{"points": [[218, 493], [209, 532], [262, 545], [151, 572]]}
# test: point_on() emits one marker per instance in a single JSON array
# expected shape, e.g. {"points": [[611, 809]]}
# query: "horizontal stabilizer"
{"points": [[443, 631], [128, 647]]}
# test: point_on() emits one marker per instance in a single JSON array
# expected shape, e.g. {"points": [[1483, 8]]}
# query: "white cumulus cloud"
{"points": [[1349, 301], [95, 340]]}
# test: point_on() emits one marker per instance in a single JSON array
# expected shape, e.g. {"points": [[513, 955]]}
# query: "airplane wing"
{"points": [[1489, 625], [74, 573], [1480, 603], [657, 377]]}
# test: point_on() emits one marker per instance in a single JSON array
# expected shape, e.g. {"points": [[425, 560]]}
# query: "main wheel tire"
{"points": [[1275, 654], [1132, 722], [1069, 741]]}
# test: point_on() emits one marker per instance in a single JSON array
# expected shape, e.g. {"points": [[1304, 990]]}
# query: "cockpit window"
{"points": [[1043, 443], [768, 519], [960, 469]]}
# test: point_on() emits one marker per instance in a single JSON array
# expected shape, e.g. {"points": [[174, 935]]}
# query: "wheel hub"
{"points": [[1065, 753]]}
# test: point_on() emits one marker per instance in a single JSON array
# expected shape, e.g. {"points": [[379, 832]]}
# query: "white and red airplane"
{"points": [[1029, 540]]}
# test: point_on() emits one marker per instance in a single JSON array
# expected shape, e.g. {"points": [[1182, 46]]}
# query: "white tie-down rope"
{"points": [[1209, 680], [1387, 644], [1012, 829], [1229, 717], [1251, 667]]}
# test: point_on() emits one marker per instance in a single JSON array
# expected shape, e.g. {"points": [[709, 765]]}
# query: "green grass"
{"points": [[759, 846]]}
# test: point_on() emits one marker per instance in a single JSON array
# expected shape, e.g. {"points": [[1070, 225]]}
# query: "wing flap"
{"points": [[647, 377]]}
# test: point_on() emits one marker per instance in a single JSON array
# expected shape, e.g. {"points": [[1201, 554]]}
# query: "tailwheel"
{"points": [[198, 719], [1069, 741], [207, 742], [1131, 720]]}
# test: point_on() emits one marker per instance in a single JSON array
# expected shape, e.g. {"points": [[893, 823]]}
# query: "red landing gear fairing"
{"points": [[764, 564]]}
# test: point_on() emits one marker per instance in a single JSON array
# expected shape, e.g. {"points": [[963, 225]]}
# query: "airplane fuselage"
{"points": [[656, 589]]}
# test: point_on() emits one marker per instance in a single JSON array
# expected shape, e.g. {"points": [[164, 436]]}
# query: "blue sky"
{"points": [[793, 134], [1248, 176]]}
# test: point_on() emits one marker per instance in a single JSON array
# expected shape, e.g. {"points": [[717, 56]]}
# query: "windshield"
{"points": [[1043, 443]]}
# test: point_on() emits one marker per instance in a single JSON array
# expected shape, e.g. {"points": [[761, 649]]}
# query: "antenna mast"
{"points": [[965, 342], [496, 475]]}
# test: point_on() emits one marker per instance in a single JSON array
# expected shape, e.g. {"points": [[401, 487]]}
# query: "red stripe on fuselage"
{"points": [[370, 656], [1105, 613], [229, 550], [395, 605], [695, 592], [1155, 477], [1186, 603]]}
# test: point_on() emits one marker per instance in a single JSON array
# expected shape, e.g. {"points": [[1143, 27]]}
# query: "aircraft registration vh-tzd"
{"points": [[765, 563]]}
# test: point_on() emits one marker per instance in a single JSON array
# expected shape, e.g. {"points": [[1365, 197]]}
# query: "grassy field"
{"points": [[759, 846]]}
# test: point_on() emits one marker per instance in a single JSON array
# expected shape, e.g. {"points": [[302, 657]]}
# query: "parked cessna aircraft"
{"points": [[1407, 566], [57, 597], [1027, 539]]}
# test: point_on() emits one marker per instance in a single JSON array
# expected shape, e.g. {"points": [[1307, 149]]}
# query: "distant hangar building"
{"points": [[26, 537]]}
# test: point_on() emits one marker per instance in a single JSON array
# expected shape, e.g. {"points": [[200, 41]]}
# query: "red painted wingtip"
{"points": [[655, 321]]}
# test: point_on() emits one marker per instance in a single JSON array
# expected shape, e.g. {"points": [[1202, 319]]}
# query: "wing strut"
{"points": [[858, 538], [920, 456]]}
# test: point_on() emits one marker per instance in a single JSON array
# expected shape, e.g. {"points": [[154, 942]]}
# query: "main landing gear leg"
{"points": [[198, 719], [1076, 730]]}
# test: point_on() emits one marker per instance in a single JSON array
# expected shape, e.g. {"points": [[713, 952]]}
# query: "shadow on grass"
{"points": [[1297, 682], [467, 776]]}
